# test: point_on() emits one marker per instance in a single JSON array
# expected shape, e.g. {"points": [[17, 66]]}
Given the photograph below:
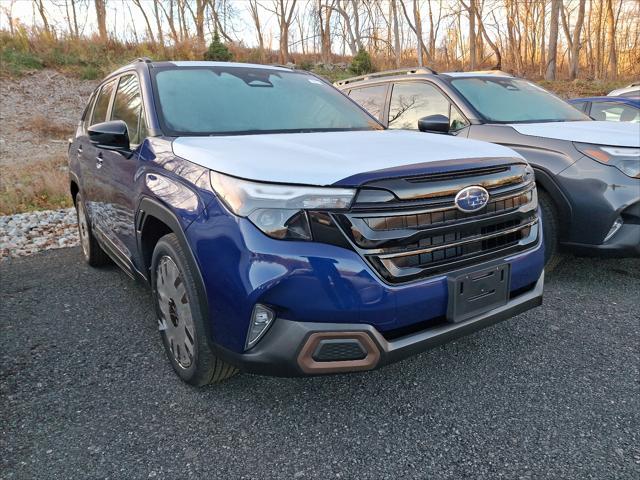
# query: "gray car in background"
{"points": [[588, 172]]}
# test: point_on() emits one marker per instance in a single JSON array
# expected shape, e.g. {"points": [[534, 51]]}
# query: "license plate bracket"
{"points": [[477, 291]]}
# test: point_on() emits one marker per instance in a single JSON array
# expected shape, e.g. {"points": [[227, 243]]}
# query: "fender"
{"points": [[545, 180], [149, 207]]}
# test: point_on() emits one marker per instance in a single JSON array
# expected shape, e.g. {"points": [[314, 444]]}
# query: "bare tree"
{"points": [[152, 38], [550, 74], [101, 18], [325, 9], [612, 69], [43, 16], [284, 10], [255, 16], [573, 38], [473, 42], [7, 9], [397, 47], [417, 29]]}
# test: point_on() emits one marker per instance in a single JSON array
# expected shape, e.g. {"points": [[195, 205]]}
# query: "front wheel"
{"points": [[552, 256], [180, 319], [91, 249]]}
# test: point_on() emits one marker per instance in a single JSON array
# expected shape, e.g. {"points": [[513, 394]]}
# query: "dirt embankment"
{"points": [[38, 112]]}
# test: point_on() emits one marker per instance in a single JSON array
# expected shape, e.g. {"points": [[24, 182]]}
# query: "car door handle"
{"points": [[99, 161]]}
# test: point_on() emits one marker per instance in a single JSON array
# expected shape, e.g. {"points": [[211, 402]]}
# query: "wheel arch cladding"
{"points": [[163, 221]]}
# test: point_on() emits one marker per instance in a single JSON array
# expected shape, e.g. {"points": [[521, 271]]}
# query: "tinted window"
{"points": [[412, 101], [371, 98], [87, 111], [582, 106], [102, 103], [614, 112], [128, 105], [510, 100], [230, 99]]}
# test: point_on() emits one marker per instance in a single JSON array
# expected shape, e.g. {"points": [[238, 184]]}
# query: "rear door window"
{"points": [[127, 106], [102, 103], [371, 99]]}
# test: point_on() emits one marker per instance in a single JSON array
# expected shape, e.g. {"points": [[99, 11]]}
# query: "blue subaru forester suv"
{"points": [[283, 231]]}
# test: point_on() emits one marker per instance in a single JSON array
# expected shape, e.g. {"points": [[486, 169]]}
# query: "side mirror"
{"points": [[112, 135], [434, 123]]}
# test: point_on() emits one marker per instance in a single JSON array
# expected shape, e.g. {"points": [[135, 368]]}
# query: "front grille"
{"points": [[419, 234]]}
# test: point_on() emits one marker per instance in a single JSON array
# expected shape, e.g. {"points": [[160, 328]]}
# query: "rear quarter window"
{"points": [[371, 99]]}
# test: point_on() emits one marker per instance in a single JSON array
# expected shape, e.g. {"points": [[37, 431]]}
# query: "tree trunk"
{"points": [[253, 8], [612, 69], [550, 73], [101, 18], [146, 20], [156, 14], [43, 16], [472, 35], [324, 20], [396, 35]]}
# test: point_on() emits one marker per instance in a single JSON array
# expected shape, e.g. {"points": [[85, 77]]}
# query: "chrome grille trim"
{"points": [[456, 244], [413, 237]]}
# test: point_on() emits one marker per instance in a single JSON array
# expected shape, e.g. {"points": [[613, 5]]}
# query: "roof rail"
{"points": [[143, 59], [399, 71], [491, 72]]}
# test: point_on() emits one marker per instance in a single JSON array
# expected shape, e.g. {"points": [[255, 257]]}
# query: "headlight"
{"points": [[625, 159], [279, 210]]}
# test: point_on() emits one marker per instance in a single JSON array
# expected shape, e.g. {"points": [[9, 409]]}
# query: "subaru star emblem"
{"points": [[472, 198]]}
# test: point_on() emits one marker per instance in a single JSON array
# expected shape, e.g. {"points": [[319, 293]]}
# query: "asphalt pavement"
{"points": [[86, 392]]}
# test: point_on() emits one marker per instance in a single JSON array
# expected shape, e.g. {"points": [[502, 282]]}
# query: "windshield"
{"points": [[221, 100], [510, 100]]}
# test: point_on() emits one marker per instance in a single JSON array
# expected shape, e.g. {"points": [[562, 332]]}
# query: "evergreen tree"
{"points": [[217, 51], [361, 63]]}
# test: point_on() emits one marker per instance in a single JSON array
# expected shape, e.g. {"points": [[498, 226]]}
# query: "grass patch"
{"points": [[38, 185], [16, 62], [46, 128]]}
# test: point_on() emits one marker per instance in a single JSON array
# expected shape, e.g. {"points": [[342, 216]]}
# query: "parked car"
{"points": [[610, 109], [632, 90], [588, 172], [284, 231]]}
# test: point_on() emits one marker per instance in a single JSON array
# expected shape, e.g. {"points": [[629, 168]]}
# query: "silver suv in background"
{"points": [[587, 172]]}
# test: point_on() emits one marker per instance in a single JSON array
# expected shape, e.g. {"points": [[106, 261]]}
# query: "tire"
{"points": [[552, 256], [180, 319], [91, 249]]}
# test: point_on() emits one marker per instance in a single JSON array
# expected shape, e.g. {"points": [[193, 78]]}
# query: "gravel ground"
{"points": [[87, 393], [28, 233]]}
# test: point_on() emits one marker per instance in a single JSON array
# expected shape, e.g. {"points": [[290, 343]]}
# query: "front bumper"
{"points": [[287, 348], [599, 195]]}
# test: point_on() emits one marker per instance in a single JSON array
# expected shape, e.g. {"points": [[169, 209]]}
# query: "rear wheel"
{"points": [[180, 319], [552, 257], [91, 249]]}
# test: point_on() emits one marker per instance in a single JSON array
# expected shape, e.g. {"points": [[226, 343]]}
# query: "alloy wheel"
{"points": [[175, 319]]}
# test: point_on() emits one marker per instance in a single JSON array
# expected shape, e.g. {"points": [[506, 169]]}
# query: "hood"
{"points": [[619, 134], [344, 158]]}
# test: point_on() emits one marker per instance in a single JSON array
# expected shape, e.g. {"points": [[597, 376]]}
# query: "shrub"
{"points": [[217, 51], [361, 63]]}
